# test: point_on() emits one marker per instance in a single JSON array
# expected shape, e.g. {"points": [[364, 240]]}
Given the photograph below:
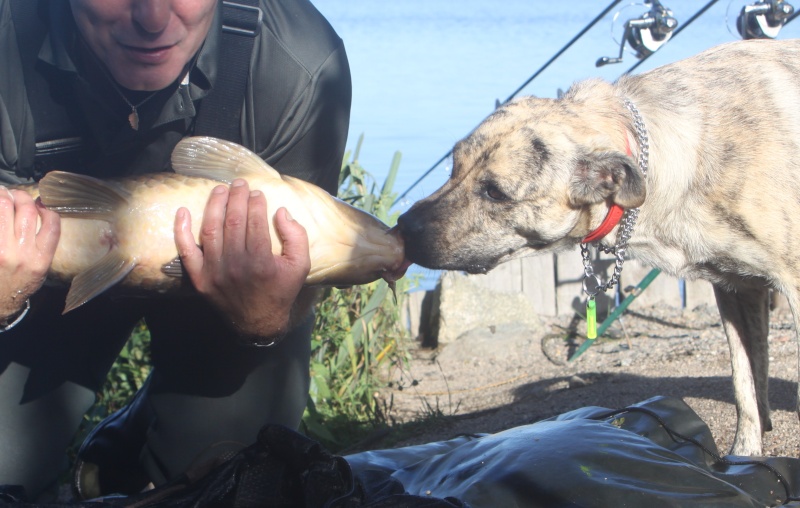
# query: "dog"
{"points": [[719, 135]]}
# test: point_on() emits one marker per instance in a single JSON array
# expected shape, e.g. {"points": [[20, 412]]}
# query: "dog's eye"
{"points": [[494, 193]]}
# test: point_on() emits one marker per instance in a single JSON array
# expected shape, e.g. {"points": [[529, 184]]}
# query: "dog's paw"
{"points": [[746, 448]]}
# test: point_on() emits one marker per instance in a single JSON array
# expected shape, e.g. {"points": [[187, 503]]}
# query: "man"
{"points": [[128, 79]]}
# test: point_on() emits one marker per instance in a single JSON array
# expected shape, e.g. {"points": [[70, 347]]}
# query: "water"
{"points": [[426, 72]]}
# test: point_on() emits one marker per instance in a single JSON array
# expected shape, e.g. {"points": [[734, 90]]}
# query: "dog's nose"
{"points": [[409, 224]]}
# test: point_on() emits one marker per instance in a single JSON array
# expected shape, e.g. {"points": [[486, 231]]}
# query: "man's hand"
{"points": [[25, 253], [236, 269]]}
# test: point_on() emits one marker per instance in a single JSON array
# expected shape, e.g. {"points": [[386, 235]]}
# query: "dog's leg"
{"points": [[792, 294], [745, 318]]}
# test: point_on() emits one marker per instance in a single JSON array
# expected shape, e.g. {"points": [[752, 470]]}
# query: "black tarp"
{"points": [[658, 453], [592, 457]]}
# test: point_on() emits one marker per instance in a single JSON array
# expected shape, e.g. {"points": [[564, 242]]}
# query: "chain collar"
{"points": [[591, 281]]}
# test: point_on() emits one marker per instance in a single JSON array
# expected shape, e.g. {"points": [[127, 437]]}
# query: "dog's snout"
{"points": [[409, 224], [412, 227]]}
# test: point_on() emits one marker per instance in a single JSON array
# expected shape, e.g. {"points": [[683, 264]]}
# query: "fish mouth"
{"points": [[397, 273]]}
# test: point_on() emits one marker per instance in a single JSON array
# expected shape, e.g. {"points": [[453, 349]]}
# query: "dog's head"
{"points": [[524, 180]]}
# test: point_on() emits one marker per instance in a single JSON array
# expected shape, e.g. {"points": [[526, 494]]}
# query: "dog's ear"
{"points": [[601, 175]]}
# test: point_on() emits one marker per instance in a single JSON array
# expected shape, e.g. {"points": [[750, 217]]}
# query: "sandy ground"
{"points": [[488, 382]]}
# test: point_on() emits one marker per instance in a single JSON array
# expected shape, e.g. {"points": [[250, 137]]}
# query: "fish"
{"points": [[118, 233]]}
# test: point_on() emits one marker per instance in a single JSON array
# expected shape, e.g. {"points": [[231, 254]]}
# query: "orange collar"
{"points": [[614, 214]]}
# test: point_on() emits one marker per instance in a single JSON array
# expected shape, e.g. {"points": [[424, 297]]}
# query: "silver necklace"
{"points": [[591, 281], [133, 117]]}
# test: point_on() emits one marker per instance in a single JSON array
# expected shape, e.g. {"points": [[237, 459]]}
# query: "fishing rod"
{"points": [[692, 19], [526, 83], [763, 19], [677, 31]]}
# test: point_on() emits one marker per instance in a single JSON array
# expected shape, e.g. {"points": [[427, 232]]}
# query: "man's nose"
{"points": [[152, 16]]}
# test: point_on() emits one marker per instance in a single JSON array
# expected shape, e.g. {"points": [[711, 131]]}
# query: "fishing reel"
{"points": [[764, 19], [645, 34]]}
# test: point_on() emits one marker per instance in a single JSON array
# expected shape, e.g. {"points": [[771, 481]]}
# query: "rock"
{"points": [[464, 306], [488, 345], [577, 382]]}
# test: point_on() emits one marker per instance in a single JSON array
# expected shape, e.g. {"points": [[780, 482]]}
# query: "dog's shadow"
{"points": [[616, 390]]}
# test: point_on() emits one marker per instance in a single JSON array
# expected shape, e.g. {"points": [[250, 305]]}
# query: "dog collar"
{"points": [[591, 281], [612, 219], [615, 212]]}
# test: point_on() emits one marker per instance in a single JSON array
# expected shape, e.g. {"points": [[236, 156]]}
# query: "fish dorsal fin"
{"points": [[219, 160], [173, 268], [74, 195], [111, 269]]}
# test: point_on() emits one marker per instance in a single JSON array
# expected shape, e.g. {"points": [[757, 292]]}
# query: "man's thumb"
{"points": [[293, 235]]}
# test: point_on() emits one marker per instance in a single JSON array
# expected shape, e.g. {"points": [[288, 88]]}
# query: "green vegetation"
{"points": [[357, 333]]}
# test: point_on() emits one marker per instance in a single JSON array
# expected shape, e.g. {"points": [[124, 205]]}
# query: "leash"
{"points": [[626, 219]]}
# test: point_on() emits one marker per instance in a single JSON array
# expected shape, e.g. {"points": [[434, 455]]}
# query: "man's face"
{"points": [[145, 44]]}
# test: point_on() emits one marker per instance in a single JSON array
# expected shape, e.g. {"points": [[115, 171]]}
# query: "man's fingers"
{"points": [[6, 214], [26, 217], [211, 229], [295, 238], [190, 253], [234, 230], [50, 232], [258, 235]]}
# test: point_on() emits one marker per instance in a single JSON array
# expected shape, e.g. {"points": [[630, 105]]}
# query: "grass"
{"points": [[357, 333]]}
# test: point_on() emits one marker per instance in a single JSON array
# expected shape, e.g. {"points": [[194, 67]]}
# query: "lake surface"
{"points": [[426, 72]]}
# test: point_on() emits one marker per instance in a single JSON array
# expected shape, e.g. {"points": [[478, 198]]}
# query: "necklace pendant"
{"points": [[133, 119]]}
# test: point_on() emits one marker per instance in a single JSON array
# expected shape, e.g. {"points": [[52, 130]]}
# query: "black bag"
{"points": [[282, 469], [655, 454], [658, 453]]}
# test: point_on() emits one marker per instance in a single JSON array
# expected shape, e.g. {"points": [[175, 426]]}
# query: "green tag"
{"points": [[591, 319]]}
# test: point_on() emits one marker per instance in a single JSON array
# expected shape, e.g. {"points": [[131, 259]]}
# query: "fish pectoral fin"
{"points": [[173, 268], [74, 195], [107, 272], [219, 160]]}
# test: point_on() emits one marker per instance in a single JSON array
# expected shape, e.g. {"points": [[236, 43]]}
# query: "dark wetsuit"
{"points": [[204, 389]]}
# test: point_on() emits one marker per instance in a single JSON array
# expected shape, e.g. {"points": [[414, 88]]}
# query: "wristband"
{"points": [[19, 317], [262, 342], [257, 343]]}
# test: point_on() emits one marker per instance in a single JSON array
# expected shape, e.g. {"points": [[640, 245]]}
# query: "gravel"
{"points": [[491, 380]]}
